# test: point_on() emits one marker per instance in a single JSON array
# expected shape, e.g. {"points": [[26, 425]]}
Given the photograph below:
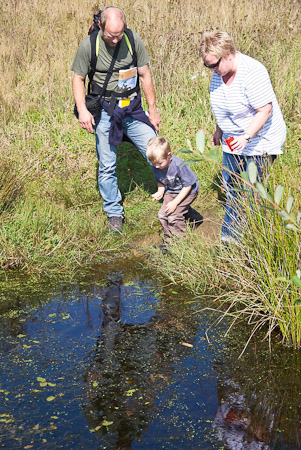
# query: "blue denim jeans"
{"points": [[140, 134], [233, 211]]}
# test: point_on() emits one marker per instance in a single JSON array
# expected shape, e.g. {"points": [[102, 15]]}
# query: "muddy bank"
{"points": [[209, 229]]}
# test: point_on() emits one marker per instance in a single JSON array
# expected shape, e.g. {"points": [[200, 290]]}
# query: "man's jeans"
{"points": [[233, 210], [140, 134]]}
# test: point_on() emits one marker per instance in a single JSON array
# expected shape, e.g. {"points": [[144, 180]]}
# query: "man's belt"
{"points": [[113, 96]]}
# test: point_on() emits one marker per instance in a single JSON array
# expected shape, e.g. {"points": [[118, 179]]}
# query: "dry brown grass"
{"points": [[38, 41]]}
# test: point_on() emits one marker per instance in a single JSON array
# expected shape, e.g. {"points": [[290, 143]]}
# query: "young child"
{"points": [[177, 183]]}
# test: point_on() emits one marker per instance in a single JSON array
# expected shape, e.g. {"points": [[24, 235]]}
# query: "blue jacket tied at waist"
{"points": [[134, 109]]}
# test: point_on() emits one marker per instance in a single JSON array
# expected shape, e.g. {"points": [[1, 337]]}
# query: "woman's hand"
{"points": [[238, 144], [217, 137]]}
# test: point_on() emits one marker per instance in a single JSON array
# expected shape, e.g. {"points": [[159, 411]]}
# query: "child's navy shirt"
{"points": [[176, 176]]}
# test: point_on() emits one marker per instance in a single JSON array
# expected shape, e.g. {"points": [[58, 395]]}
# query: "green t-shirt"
{"points": [[81, 62]]}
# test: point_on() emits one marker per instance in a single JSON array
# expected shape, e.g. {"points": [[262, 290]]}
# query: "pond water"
{"points": [[120, 360]]}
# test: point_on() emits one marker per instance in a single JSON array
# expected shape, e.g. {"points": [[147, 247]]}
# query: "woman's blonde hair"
{"points": [[157, 148], [219, 43]]}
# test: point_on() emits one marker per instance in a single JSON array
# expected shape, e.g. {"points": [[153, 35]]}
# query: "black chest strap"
{"points": [[94, 55]]}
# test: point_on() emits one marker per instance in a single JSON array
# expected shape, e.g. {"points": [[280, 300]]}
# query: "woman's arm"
{"points": [[258, 121]]}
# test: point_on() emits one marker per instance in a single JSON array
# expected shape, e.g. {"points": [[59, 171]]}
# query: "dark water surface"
{"points": [[120, 360]]}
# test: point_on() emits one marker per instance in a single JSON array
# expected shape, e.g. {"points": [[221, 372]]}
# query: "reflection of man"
{"points": [[111, 317], [133, 362], [111, 301], [121, 368], [114, 120]]}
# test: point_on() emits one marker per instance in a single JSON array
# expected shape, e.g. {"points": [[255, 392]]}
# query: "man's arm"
{"points": [[149, 92], [85, 118]]}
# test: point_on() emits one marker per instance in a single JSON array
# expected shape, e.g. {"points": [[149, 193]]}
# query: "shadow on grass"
{"points": [[217, 186], [133, 170]]}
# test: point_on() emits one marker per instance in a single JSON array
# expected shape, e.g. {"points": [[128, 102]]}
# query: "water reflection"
{"points": [[259, 399], [127, 366], [132, 364], [234, 420]]}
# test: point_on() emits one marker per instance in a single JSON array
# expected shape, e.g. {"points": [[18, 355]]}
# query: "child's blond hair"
{"points": [[157, 148]]}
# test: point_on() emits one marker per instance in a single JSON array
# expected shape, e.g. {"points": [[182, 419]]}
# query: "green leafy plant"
{"points": [[263, 268]]}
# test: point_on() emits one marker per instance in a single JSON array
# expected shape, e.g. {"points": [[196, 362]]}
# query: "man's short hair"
{"points": [[157, 148], [103, 16]]}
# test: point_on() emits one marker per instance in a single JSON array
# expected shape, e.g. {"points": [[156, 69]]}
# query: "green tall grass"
{"points": [[258, 278], [51, 211]]}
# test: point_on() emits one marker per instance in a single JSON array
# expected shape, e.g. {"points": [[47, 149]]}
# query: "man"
{"points": [[115, 119]]}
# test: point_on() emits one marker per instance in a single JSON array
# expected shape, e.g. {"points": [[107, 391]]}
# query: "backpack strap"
{"points": [[128, 43], [94, 40], [110, 71], [129, 38]]}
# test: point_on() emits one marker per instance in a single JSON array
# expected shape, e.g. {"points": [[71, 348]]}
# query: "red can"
{"points": [[228, 142]]}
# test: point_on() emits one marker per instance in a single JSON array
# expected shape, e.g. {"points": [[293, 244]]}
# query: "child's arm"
{"points": [[160, 192], [171, 206]]}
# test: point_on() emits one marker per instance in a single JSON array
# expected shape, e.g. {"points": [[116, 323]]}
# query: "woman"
{"points": [[245, 108]]}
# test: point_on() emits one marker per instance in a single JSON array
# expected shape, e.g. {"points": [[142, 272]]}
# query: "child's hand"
{"points": [[170, 207], [157, 195]]}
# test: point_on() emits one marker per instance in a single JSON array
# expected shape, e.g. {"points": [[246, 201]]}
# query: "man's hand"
{"points": [[155, 119], [149, 92], [86, 120]]}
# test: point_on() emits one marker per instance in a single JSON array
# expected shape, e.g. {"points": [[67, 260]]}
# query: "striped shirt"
{"points": [[234, 107]]}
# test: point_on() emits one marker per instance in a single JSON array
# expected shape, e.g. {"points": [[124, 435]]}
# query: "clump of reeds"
{"points": [[266, 269], [257, 278]]}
